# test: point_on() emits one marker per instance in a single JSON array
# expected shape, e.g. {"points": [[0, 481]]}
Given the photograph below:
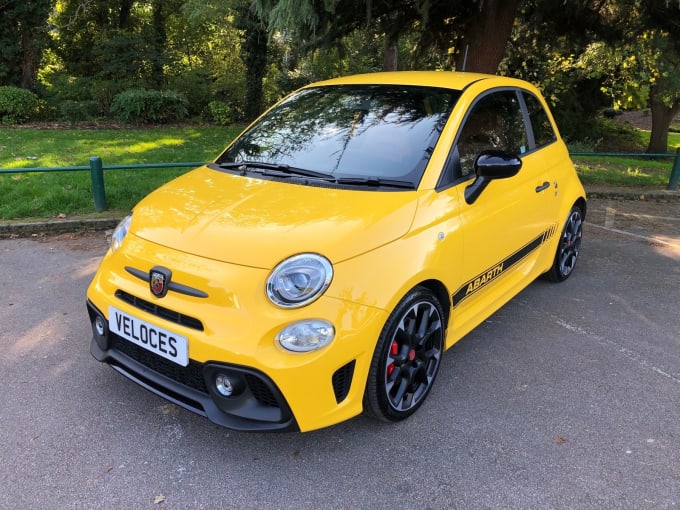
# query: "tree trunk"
{"points": [[662, 116], [124, 14], [390, 53], [254, 46], [486, 36], [30, 59], [159, 43]]}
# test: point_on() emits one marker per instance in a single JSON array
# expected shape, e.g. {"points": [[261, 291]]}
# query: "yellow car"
{"points": [[323, 263]]}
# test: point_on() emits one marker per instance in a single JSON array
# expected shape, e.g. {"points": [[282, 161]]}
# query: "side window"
{"points": [[542, 128], [494, 122]]}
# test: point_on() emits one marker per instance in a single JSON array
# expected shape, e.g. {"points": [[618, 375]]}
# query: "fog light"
{"points": [[223, 385], [99, 326], [306, 336], [100, 332]]}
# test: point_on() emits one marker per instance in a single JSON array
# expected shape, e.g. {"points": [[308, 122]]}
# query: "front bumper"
{"points": [[259, 407], [233, 332]]}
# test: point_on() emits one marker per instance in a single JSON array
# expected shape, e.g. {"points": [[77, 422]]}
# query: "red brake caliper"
{"points": [[394, 350]]}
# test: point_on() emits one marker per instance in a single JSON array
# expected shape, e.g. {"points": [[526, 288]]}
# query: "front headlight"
{"points": [[299, 280], [120, 232]]}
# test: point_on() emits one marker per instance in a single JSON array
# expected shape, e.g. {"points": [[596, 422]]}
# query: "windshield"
{"points": [[360, 131]]}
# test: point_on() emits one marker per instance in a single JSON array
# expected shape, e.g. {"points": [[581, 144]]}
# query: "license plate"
{"points": [[160, 341]]}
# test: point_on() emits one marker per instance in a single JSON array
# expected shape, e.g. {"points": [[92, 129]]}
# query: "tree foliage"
{"points": [[23, 37], [586, 55], [477, 29]]}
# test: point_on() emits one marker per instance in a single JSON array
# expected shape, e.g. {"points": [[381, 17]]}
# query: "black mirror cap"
{"points": [[489, 165], [497, 164]]}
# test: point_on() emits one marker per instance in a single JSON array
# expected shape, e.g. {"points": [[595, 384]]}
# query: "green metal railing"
{"points": [[675, 170], [96, 168]]}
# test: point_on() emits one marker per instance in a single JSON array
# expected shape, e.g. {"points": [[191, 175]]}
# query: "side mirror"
{"points": [[490, 165]]}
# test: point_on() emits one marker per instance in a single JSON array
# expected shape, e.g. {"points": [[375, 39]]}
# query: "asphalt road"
{"points": [[568, 397]]}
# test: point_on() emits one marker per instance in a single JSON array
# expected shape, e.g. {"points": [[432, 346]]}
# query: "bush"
{"points": [[195, 86], [75, 111], [614, 136], [221, 113], [141, 106], [17, 105]]}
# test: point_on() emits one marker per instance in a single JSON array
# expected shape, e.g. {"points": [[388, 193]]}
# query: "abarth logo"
{"points": [[159, 279], [484, 279]]}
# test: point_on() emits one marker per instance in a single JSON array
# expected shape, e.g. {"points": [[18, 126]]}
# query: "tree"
{"points": [[545, 47], [485, 33], [639, 62], [254, 46], [23, 37], [662, 22], [479, 28]]}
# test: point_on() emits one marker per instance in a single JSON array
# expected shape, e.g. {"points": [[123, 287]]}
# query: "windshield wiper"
{"points": [[280, 170], [244, 166], [375, 181]]}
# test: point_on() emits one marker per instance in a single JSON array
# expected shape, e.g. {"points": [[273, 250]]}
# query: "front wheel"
{"points": [[406, 358], [569, 247]]}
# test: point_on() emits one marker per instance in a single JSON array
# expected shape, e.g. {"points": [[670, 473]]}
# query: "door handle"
{"points": [[542, 187]]}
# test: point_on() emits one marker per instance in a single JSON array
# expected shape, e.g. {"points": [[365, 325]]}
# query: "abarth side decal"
{"points": [[483, 279]]}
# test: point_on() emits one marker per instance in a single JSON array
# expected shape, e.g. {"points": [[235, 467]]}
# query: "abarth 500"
{"points": [[324, 262]]}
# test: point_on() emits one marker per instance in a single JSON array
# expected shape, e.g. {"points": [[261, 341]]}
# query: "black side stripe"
{"points": [[483, 279]]}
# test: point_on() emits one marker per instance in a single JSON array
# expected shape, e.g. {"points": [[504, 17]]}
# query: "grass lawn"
{"points": [[50, 194], [618, 171], [46, 194], [626, 171]]}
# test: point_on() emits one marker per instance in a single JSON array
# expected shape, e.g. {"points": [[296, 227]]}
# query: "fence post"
{"points": [[97, 176], [675, 173]]}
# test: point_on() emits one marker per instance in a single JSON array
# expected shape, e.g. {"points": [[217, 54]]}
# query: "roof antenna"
{"points": [[467, 46]]}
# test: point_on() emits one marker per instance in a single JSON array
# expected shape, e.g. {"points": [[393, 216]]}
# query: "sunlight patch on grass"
{"points": [[636, 172], [674, 140], [157, 144]]}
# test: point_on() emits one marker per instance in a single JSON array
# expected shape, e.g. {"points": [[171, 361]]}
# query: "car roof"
{"points": [[446, 79]]}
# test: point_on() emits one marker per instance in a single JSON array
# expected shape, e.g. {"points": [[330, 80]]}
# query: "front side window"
{"points": [[494, 122], [350, 131]]}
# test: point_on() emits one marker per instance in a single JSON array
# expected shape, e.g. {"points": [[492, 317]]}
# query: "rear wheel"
{"points": [[406, 358], [569, 247]]}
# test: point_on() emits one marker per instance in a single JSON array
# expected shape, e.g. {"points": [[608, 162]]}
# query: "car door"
{"points": [[504, 228]]}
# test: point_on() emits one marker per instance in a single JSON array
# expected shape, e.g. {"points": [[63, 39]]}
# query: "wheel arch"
{"points": [[582, 204], [441, 293]]}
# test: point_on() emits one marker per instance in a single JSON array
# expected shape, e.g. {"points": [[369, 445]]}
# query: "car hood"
{"points": [[258, 223]]}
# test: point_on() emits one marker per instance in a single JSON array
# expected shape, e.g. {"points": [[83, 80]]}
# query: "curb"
{"points": [[60, 226], [55, 226], [638, 195]]}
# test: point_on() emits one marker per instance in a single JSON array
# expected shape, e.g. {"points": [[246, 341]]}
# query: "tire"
{"points": [[568, 248], [407, 357]]}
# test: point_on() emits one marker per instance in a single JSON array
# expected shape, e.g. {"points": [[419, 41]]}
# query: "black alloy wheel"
{"points": [[407, 357], [569, 247]]}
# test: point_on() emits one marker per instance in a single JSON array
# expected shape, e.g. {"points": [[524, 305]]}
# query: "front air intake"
{"points": [[342, 381]]}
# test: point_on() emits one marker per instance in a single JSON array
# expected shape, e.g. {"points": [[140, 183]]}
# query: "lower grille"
{"points": [[342, 381], [191, 375], [261, 391]]}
